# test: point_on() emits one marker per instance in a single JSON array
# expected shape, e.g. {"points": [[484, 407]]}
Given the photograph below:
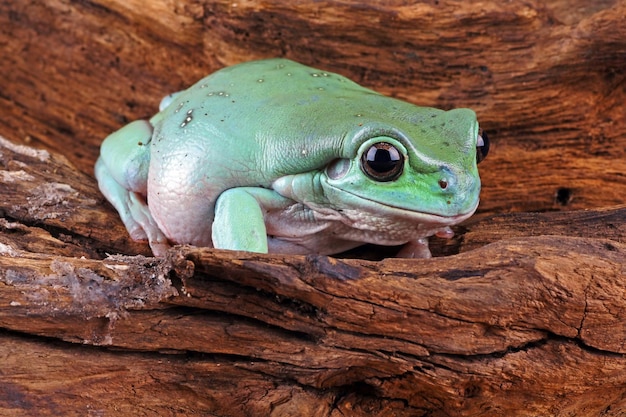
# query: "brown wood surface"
{"points": [[521, 314]]}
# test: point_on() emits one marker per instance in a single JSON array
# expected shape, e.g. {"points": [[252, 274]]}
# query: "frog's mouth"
{"points": [[373, 222], [390, 224], [423, 216], [378, 209]]}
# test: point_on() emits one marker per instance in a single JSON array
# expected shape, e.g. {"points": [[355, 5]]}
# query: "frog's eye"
{"points": [[382, 162], [482, 146]]}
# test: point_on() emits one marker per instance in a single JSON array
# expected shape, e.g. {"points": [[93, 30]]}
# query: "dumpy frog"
{"points": [[275, 156]]}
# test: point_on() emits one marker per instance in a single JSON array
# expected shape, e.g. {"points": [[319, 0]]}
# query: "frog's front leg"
{"points": [[239, 222], [122, 173]]}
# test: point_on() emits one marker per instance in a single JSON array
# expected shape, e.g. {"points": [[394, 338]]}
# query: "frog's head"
{"points": [[422, 172]]}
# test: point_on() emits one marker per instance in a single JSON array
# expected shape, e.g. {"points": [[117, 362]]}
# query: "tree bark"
{"points": [[520, 314]]}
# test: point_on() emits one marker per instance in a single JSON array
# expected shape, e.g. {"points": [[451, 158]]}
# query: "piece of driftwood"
{"points": [[519, 326], [523, 333], [521, 314]]}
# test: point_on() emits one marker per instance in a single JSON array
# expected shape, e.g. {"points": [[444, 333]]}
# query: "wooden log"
{"points": [[521, 314], [494, 325]]}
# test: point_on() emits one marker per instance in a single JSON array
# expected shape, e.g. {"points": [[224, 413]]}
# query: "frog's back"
{"points": [[239, 90], [257, 113], [261, 80], [267, 95], [274, 111]]}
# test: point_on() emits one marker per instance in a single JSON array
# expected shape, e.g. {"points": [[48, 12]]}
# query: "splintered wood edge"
{"points": [[525, 288]]}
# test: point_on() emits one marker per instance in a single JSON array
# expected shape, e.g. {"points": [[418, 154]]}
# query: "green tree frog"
{"points": [[275, 156]]}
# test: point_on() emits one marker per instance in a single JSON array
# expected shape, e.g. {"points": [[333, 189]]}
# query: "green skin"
{"points": [[268, 156]]}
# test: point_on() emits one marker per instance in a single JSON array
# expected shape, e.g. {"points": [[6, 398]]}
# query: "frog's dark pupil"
{"points": [[382, 162], [482, 148]]}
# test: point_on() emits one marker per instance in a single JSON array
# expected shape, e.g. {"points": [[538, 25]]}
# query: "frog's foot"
{"points": [[133, 211], [445, 233], [417, 248], [144, 225]]}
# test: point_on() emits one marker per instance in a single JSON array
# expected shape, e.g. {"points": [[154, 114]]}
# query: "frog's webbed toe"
{"points": [[417, 248]]}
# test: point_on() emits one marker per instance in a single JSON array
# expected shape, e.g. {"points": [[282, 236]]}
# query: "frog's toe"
{"points": [[417, 248], [136, 232], [143, 224], [159, 248], [159, 244]]}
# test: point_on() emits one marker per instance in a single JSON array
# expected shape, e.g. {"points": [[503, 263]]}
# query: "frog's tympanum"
{"points": [[275, 156]]}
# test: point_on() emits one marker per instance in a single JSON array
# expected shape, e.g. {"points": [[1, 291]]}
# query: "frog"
{"points": [[273, 156]]}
